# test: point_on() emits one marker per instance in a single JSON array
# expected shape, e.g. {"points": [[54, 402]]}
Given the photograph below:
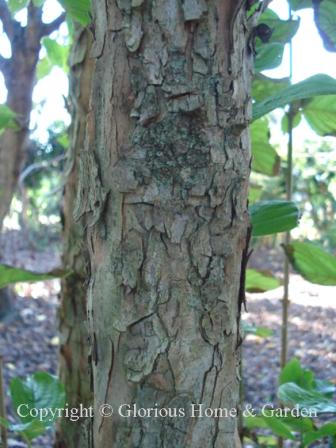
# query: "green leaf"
{"points": [[44, 67], [263, 86], [278, 427], [78, 10], [260, 281], [320, 114], [252, 421], [40, 391], [261, 332], [314, 86], [38, 3], [296, 121], [57, 54], [268, 56], [268, 217], [255, 192], [299, 424], [29, 430], [313, 263], [265, 159], [300, 4], [325, 387], [282, 30], [327, 430], [16, 5], [10, 274], [325, 19], [294, 373], [7, 118], [293, 395]]}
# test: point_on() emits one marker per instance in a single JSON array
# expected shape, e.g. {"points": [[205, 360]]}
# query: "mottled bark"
{"points": [[74, 370], [163, 187]]}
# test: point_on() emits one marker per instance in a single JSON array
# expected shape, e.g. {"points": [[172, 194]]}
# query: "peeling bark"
{"points": [[74, 369], [163, 187]]}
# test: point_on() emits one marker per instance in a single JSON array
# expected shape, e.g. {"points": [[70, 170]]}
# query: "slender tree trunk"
{"points": [[19, 74], [163, 186], [74, 369]]}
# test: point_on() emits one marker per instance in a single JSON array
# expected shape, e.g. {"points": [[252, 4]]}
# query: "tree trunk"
{"points": [[74, 371], [163, 186]]}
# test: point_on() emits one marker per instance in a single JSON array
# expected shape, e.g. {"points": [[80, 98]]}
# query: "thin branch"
{"points": [[8, 23], [48, 28], [40, 165]]}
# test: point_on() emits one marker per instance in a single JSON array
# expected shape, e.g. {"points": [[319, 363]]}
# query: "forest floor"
{"points": [[29, 339]]}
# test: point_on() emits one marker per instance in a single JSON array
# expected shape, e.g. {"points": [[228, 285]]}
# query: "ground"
{"points": [[29, 340]]}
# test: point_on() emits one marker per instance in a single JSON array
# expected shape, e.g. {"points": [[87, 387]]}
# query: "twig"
{"points": [[48, 28], [39, 165], [9, 24]]}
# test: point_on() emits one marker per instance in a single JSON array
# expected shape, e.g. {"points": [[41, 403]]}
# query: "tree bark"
{"points": [[74, 370], [163, 187]]}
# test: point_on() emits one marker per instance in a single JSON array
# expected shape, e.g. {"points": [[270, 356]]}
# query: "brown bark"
{"points": [[163, 187], [74, 372]]}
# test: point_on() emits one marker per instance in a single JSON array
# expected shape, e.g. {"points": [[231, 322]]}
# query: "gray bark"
{"points": [[74, 369], [163, 188]]}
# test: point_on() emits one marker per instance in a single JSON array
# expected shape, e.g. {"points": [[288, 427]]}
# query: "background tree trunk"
{"points": [[19, 74], [74, 366], [163, 186]]}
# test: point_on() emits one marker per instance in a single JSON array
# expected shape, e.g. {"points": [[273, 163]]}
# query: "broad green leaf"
{"points": [[44, 67], [282, 30], [268, 56], [295, 122], [314, 86], [313, 263], [38, 391], [293, 372], [268, 217], [10, 275], [258, 281], [261, 332], [327, 430], [38, 3], [325, 387], [263, 86], [57, 54], [265, 159], [7, 117], [299, 424], [29, 430], [16, 5], [251, 422], [293, 395], [278, 427], [255, 192], [320, 113], [300, 4], [78, 10], [325, 18]]}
